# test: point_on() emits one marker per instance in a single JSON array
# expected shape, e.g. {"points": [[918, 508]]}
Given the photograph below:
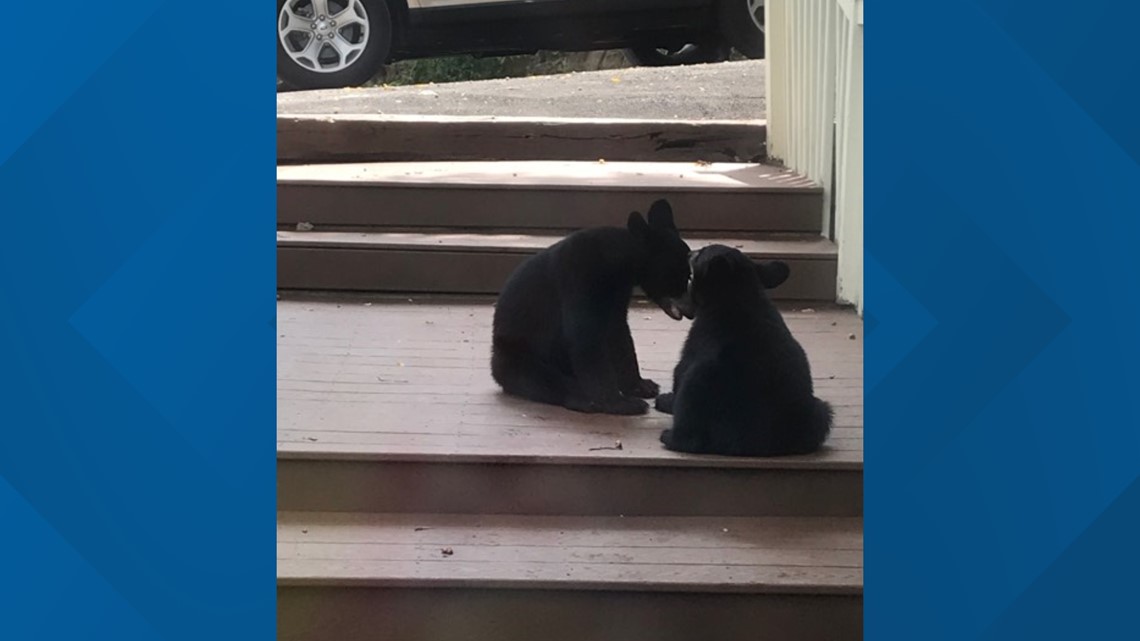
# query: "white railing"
{"points": [[814, 50]]}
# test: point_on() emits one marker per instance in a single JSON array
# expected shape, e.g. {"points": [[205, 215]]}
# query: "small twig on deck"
{"points": [[615, 446]]}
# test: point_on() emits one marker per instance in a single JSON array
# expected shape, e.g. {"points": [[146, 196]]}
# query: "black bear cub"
{"points": [[560, 333], [743, 386]]}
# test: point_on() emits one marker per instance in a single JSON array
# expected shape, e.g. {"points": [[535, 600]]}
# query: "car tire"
{"points": [[742, 26], [691, 54], [316, 54]]}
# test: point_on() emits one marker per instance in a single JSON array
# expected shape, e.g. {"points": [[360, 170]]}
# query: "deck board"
{"points": [[392, 378], [698, 554], [323, 138], [565, 174], [757, 246]]}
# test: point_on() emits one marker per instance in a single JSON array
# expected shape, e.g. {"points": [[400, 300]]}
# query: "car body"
{"points": [[314, 52]]}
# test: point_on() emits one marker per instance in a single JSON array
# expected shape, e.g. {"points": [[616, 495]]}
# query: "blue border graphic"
{"points": [[137, 269], [1003, 228]]}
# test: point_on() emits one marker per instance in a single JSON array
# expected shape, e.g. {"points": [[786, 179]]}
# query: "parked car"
{"points": [[339, 43]]}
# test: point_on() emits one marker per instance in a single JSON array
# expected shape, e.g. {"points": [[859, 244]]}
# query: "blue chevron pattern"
{"points": [[1003, 453], [136, 323]]}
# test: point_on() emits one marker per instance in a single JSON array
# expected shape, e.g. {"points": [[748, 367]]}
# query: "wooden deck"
{"points": [[394, 138], [755, 246], [443, 577], [386, 404], [705, 554], [382, 378], [551, 195], [450, 262], [584, 175], [419, 503]]}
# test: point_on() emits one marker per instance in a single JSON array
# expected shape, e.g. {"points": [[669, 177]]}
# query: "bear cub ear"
{"points": [[661, 215], [637, 225], [772, 273]]}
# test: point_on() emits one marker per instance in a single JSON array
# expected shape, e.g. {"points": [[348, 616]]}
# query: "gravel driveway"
{"points": [[723, 91]]}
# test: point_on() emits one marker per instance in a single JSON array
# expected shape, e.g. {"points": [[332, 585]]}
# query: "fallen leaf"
{"points": [[808, 310], [851, 336], [447, 551], [421, 529], [615, 79], [703, 163], [311, 438], [304, 226]]}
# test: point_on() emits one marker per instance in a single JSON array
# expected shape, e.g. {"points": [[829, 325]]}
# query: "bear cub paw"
{"points": [[621, 406], [643, 389]]}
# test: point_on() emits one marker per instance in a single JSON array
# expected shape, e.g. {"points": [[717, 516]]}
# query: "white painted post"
{"points": [[814, 50]]}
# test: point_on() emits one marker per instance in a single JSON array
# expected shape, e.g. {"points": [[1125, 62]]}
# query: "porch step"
{"points": [[387, 405], [545, 195], [325, 138], [480, 263], [476, 577]]}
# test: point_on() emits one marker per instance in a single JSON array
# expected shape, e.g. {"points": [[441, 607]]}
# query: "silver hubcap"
{"points": [[325, 36], [756, 11]]}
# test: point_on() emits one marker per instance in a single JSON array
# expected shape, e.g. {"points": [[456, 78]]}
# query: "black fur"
{"points": [[743, 386], [560, 331]]}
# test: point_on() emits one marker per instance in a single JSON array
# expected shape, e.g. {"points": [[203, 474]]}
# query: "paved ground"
{"points": [[724, 91]]}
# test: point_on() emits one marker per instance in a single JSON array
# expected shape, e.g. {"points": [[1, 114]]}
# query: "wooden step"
{"points": [[387, 405], [480, 263], [474, 577], [546, 195], [331, 138]]}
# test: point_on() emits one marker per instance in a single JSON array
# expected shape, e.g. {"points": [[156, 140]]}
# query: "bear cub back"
{"points": [[560, 332], [743, 386]]}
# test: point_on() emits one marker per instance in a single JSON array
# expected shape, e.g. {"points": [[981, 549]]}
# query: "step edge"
{"points": [[742, 190], [572, 585], [333, 118], [285, 453], [814, 247]]}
